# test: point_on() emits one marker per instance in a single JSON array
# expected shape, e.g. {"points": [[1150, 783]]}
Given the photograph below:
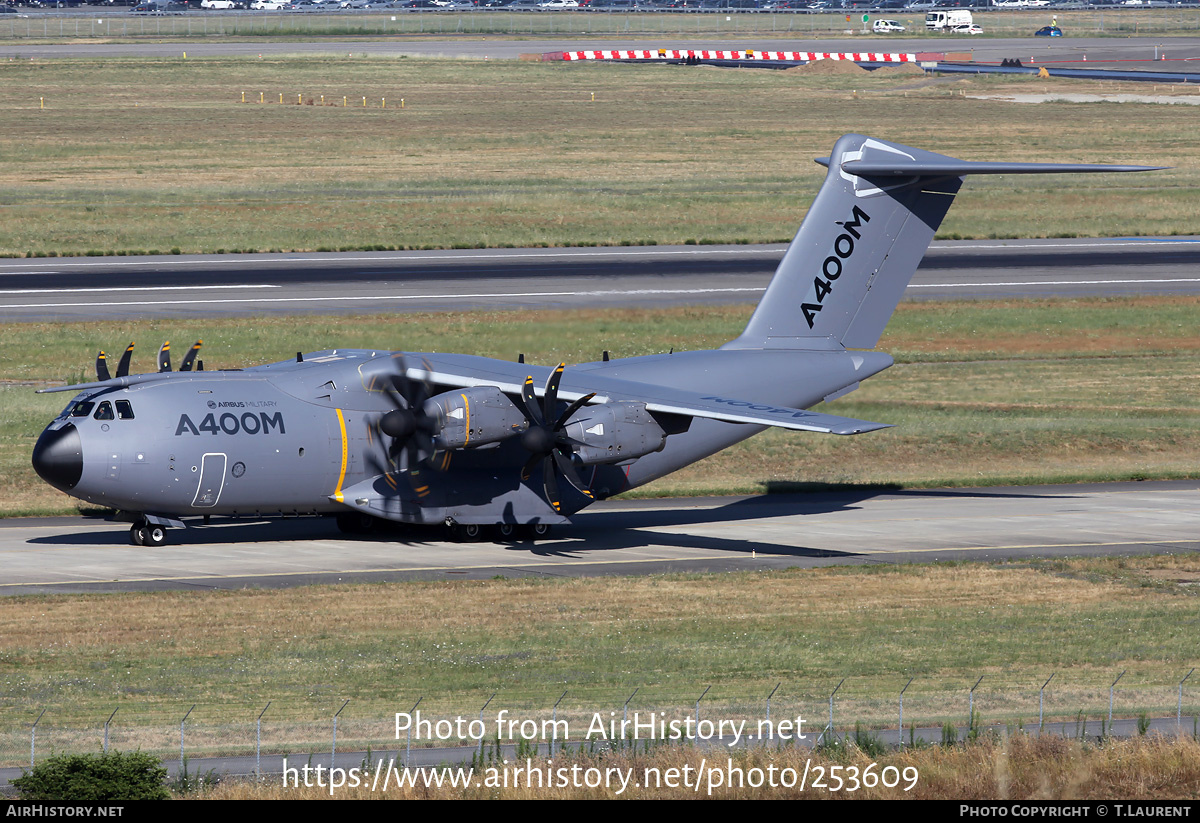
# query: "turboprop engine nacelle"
{"points": [[614, 433], [474, 417]]}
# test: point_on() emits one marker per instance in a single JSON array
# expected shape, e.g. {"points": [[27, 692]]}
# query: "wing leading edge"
{"points": [[661, 399]]}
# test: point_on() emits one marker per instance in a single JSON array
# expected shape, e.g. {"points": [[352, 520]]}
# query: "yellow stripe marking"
{"points": [[467, 408], [337, 492]]}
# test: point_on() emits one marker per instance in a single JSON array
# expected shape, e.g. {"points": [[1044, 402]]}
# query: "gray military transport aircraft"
{"points": [[501, 448]]}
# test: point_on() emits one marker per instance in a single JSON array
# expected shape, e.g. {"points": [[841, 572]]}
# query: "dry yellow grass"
{"points": [[1017, 768]]}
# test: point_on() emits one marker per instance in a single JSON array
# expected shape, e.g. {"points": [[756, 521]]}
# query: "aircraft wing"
{"points": [[509, 378]]}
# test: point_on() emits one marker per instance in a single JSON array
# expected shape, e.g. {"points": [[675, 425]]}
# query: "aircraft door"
{"points": [[212, 480]]}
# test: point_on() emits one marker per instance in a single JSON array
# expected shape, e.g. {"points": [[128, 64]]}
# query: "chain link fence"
{"points": [[176, 729]]}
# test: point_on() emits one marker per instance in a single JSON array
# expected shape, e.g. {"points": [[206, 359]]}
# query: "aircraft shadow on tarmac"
{"points": [[595, 530]]}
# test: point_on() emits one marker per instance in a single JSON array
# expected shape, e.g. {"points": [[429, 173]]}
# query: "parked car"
{"points": [[1048, 31], [968, 28], [886, 27]]}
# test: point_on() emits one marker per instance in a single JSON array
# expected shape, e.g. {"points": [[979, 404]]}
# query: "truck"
{"points": [[947, 20]]}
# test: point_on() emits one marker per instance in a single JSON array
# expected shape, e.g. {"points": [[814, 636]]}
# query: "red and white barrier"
{"points": [[749, 54]]}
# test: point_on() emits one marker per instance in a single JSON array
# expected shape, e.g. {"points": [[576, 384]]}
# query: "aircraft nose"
{"points": [[58, 457]]}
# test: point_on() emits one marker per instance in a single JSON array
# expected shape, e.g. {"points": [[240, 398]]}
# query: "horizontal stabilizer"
{"points": [[862, 239], [959, 168]]}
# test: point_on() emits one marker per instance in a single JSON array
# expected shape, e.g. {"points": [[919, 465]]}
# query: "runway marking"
{"points": [[376, 297], [240, 261], [500, 295], [530, 565], [237, 260], [984, 283], [136, 288]]}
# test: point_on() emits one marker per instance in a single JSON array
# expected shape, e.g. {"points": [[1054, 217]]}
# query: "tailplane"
{"points": [[862, 240]]}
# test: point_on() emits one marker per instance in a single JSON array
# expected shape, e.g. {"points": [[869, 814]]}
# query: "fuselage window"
{"points": [[104, 412], [124, 410], [82, 409]]}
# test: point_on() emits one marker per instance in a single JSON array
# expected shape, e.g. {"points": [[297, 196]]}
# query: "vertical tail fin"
{"points": [[862, 240]]}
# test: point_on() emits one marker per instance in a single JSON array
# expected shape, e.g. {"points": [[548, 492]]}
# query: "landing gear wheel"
{"points": [[135, 535], [537, 531], [463, 532], [355, 523], [153, 536], [506, 531]]}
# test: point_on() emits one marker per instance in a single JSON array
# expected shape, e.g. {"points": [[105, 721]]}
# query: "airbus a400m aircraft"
{"points": [[480, 444]]}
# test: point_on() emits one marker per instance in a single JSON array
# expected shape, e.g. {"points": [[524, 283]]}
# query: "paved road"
{"points": [[624, 537], [201, 285], [1101, 52]]}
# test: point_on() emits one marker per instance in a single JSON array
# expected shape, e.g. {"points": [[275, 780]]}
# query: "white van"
{"points": [[946, 20]]}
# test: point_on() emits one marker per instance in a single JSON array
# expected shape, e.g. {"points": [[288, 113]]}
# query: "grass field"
{"points": [[983, 393], [143, 154], [453, 644]]}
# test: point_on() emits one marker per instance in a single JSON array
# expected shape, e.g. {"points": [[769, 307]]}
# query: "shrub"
{"points": [[94, 778]]}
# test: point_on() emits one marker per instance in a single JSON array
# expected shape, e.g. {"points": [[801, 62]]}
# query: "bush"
{"points": [[94, 778]]}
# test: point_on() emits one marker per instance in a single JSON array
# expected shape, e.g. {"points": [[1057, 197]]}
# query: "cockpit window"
{"points": [[124, 410], [104, 412], [82, 409]]}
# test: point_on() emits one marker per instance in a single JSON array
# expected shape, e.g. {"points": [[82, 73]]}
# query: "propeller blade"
{"points": [[568, 469], [101, 366], [571, 409], [530, 464], [529, 404], [550, 400], [164, 357], [190, 357], [123, 364], [550, 483]]}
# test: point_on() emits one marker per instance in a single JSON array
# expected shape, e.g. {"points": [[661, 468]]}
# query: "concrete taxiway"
{"points": [[60, 555]]}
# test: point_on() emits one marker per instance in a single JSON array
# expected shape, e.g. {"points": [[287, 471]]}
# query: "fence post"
{"points": [[1110, 700], [258, 741], [829, 726], [971, 702], [900, 731], [1179, 707], [769, 696], [625, 715], [181, 722], [333, 751], [106, 722], [554, 721], [698, 699], [408, 745], [33, 738], [483, 726], [1042, 704]]}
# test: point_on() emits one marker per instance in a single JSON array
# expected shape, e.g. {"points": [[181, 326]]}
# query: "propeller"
{"points": [[102, 372], [547, 442], [164, 361], [190, 357], [408, 426]]}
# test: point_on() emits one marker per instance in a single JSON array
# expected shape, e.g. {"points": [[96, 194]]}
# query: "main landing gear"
{"points": [[358, 523], [501, 532], [151, 535]]}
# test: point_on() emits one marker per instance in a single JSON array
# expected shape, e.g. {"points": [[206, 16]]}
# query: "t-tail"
{"points": [[862, 240]]}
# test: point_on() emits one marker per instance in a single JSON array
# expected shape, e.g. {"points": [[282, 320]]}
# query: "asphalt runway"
{"points": [[64, 555], [1176, 54], [368, 282]]}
